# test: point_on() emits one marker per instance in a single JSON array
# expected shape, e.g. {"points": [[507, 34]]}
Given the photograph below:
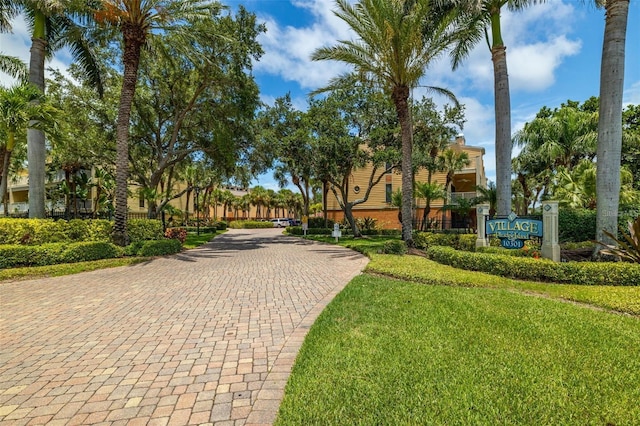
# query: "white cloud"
{"points": [[18, 44], [632, 94], [288, 49]]}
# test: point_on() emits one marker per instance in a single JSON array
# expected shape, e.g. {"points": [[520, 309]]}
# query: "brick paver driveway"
{"points": [[206, 336]]}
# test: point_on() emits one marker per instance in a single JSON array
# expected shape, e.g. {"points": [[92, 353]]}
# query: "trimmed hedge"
{"points": [[586, 273], [159, 247], [297, 230], [424, 240], [44, 231], [144, 229], [249, 224], [12, 256]]}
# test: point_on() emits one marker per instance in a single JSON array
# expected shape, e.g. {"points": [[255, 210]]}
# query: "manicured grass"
{"points": [[419, 269], [368, 244], [194, 240], [390, 352], [66, 268]]}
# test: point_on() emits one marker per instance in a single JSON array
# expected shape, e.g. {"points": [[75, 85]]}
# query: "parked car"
{"points": [[295, 222], [280, 222]]}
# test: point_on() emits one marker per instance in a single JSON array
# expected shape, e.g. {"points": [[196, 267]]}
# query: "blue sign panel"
{"points": [[513, 232]]}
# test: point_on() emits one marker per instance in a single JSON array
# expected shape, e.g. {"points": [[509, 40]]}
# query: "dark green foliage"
{"points": [[159, 247], [133, 248], [576, 224], [318, 222], [12, 256], [144, 229], [221, 226], [297, 230], [586, 273], [397, 247]]}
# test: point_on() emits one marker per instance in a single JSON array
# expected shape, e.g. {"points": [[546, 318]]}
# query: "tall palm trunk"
{"points": [[503, 117], [36, 149], [400, 97], [133, 39], [610, 119], [4, 196]]}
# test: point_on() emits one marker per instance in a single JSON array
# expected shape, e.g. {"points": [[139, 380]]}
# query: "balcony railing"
{"points": [[455, 196]]}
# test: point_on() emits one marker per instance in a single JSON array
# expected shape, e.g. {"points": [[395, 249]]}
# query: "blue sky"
{"points": [[553, 54]]}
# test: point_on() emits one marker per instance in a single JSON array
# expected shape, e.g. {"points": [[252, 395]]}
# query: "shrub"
{"points": [[587, 273], [249, 224], [221, 226], [297, 230], [100, 229], [159, 247], [397, 247], [86, 251], [576, 224], [12, 256], [179, 234], [424, 240], [77, 230], [144, 229], [318, 222]]}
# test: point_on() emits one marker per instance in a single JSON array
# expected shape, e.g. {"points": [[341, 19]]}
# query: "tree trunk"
{"points": [[400, 97], [348, 214], [4, 196], [503, 118], [610, 120], [133, 39], [36, 148]]}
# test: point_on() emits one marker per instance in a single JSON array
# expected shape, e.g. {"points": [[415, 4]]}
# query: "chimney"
{"points": [[460, 139]]}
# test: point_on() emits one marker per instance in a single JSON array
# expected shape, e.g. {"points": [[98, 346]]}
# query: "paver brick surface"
{"points": [[205, 336]]}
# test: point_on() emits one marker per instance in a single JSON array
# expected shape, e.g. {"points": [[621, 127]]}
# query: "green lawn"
{"points": [[390, 352]]}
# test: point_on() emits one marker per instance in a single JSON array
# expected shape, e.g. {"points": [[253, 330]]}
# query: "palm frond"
{"points": [[14, 67]]}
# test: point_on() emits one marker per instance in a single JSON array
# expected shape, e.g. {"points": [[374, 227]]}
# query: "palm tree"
{"points": [[562, 137], [14, 67], [19, 106], [394, 46], [478, 17], [452, 161], [135, 19], [610, 120], [430, 192], [488, 195], [52, 26]]}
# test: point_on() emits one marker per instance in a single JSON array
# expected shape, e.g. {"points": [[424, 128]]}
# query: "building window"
{"points": [[387, 166], [141, 201], [356, 189], [389, 193]]}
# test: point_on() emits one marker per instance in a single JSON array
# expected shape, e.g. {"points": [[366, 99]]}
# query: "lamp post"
{"points": [[197, 191]]}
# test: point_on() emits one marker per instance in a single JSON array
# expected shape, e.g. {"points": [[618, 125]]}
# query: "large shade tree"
{"points": [[394, 45], [136, 20], [53, 24]]}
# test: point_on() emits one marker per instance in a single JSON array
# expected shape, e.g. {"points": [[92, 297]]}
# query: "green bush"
{"points": [[221, 226], [45, 231], [424, 240], [318, 222], [576, 224], [159, 247], [144, 229], [397, 247], [87, 251], [297, 230], [586, 273], [12, 256], [249, 224]]}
